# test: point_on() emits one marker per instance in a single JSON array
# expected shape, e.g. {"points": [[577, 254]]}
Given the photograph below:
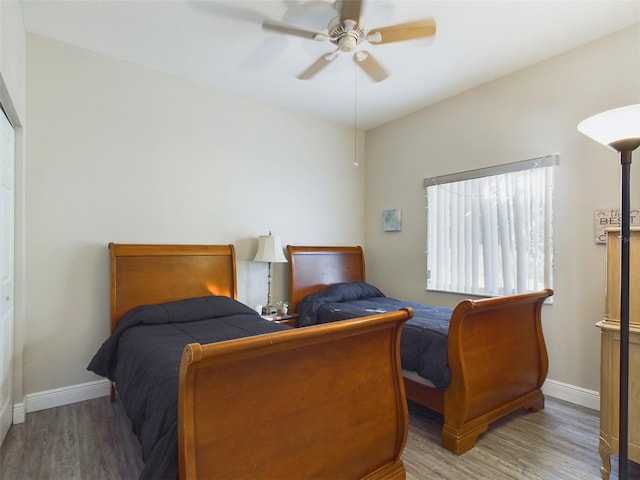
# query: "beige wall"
{"points": [[525, 115], [13, 100], [12, 61], [121, 153]]}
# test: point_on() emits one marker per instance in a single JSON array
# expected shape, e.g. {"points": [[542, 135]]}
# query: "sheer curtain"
{"points": [[491, 234]]}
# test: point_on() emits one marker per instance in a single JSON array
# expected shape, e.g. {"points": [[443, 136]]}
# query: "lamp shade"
{"points": [[618, 129], [269, 250]]}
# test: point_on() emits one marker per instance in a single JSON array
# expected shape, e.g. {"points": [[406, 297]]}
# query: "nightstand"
{"points": [[290, 319]]}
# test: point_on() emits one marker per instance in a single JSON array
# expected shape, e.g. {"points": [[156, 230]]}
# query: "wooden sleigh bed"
{"points": [[496, 351], [326, 402]]}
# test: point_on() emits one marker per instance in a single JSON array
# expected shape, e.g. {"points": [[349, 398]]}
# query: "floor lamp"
{"points": [[619, 129]]}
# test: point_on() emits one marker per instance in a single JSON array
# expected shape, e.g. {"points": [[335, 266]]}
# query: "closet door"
{"points": [[7, 155]]}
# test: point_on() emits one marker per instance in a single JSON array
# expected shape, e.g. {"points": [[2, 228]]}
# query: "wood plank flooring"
{"points": [[89, 440], [557, 443], [92, 440]]}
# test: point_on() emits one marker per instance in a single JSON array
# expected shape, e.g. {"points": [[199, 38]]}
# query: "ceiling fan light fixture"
{"points": [[347, 43]]}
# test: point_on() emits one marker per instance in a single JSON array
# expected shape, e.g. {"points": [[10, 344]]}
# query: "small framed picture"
{"points": [[392, 220]]}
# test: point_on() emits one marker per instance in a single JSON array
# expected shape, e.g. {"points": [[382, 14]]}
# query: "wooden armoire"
{"points": [[610, 353]]}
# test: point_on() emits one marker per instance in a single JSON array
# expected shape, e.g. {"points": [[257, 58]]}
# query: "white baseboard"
{"points": [[102, 388], [60, 396], [571, 393], [19, 415]]}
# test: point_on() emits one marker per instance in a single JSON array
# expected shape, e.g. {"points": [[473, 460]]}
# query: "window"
{"points": [[489, 230]]}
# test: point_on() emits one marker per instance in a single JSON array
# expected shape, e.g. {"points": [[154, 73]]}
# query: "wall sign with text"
{"points": [[610, 217]]}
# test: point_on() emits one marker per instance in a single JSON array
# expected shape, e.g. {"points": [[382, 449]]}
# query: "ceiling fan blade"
{"points": [[371, 67], [318, 65], [404, 31], [292, 30], [350, 9]]}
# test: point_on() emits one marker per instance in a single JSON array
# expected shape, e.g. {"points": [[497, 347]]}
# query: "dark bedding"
{"points": [[143, 355], [424, 337]]}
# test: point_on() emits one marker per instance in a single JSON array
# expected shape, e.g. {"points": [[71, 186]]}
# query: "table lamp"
{"points": [[269, 251]]}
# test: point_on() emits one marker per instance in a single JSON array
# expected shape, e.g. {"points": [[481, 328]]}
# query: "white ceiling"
{"points": [[221, 43]]}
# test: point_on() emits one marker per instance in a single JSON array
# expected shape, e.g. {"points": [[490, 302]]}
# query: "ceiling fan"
{"points": [[347, 31]]}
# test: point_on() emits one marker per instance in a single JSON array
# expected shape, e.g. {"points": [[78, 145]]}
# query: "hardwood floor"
{"points": [[89, 440], [92, 440], [557, 443]]}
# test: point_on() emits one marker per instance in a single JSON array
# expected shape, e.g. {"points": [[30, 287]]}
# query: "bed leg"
{"points": [[461, 440], [113, 393], [537, 403]]}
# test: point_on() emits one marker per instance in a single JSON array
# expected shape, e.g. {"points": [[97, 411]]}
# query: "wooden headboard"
{"points": [[147, 274], [314, 268]]}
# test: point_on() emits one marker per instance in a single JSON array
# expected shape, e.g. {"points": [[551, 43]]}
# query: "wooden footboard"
{"points": [[320, 402], [496, 349], [498, 361]]}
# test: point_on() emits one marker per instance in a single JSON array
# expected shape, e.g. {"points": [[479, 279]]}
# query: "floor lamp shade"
{"points": [[619, 129]]}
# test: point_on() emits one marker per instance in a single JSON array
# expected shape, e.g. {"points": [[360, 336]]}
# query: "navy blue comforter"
{"points": [[143, 355], [424, 337]]}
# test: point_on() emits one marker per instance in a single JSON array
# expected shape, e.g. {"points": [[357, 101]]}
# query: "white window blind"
{"points": [[489, 230]]}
